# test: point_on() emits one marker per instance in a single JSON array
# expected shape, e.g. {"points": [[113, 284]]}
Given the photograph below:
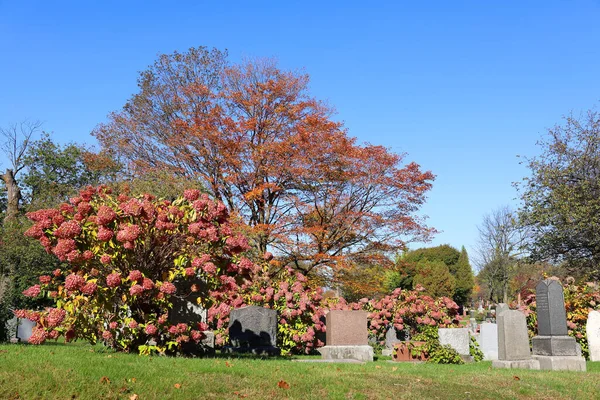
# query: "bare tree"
{"points": [[500, 245], [16, 139]]}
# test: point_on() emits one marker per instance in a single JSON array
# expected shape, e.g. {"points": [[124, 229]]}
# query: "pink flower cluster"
{"points": [[33, 291], [168, 288], [105, 215], [74, 282], [55, 317], [129, 233], [113, 280], [68, 230]]}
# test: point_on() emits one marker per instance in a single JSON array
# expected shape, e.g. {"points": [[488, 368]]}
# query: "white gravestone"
{"points": [[592, 329]]}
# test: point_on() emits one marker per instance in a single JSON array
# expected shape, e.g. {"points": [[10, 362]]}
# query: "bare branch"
{"points": [[16, 141]]}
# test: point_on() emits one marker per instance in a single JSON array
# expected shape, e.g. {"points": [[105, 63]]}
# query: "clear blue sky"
{"points": [[463, 87]]}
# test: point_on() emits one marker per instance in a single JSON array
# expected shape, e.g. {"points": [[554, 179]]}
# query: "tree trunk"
{"points": [[13, 195]]}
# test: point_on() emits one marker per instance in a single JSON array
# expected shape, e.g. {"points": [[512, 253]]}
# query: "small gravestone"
{"points": [[347, 336], [592, 329], [500, 308], [513, 342], [11, 329], [553, 348], [391, 338], [24, 329], [488, 340], [253, 329], [457, 338]]}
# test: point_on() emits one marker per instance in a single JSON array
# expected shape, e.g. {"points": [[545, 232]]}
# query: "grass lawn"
{"points": [[80, 371]]}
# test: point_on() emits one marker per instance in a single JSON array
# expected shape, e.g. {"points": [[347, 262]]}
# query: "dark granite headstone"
{"points": [[553, 348], [550, 308], [253, 329]]}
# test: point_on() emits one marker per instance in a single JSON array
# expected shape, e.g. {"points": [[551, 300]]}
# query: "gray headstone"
{"points": [[488, 340], [500, 308], [253, 327], [457, 338], [513, 339], [24, 329], [391, 338], [550, 308], [11, 328], [592, 329], [473, 325]]}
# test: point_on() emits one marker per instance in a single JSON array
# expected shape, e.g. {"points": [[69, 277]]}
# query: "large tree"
{"points": [[500, 245], [561, 197], [257, 141]]}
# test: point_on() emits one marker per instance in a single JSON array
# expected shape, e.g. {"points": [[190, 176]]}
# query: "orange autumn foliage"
{"points": [[259, 143]]}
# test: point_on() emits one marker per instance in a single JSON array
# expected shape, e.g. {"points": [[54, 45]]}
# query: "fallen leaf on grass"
{"points": [[283, 384], [15, 396], [177, 386], [516, 378], [240, 395], [105, 379], [134, 397], [124, 389], [228, 365], [132, 380], [378, 366], [394, 368]]}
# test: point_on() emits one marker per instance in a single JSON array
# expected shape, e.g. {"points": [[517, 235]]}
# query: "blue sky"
{"points": [[463, 87]]}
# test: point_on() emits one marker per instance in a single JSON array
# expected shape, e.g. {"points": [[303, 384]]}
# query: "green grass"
{"points": [[59, 371]]}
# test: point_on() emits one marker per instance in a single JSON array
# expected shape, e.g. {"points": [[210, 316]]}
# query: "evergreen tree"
{"points": [[464, 279], [436, 278]]}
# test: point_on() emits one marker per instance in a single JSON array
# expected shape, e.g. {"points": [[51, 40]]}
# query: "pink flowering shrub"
{"points": [[300, 306], [129, 259], [579, 301], [408, 310]]}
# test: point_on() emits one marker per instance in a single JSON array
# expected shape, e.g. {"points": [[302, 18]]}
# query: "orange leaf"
{"points": [[283, 384], [134, 397], [177, 385], [378, 366], [516, 378], [227, 364], [105, 379]]}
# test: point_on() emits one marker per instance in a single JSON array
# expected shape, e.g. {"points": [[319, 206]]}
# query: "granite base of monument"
{"points": [[555, 346], [361, 353], [522, 364], [259, 351], [561, 363]]}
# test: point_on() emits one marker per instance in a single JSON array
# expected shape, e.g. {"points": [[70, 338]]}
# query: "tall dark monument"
{"points": [[553, 348]]}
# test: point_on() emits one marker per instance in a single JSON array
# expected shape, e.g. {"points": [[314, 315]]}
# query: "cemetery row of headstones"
{"points": [[254, 329]]}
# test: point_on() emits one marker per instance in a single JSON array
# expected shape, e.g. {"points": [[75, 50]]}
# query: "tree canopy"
{"points": [[561, 196], [257, 141]]}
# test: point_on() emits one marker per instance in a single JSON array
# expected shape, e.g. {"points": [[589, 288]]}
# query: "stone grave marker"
{"points": [[391, 338], [553, 348], [347, 336], [513, 342], [24, 329], [592, 329], [500, 308], [550, 308], [488, 340], [457, 338], [253, 329]]}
